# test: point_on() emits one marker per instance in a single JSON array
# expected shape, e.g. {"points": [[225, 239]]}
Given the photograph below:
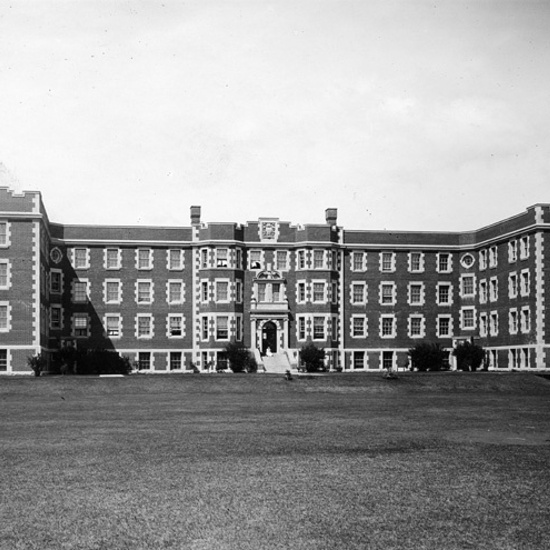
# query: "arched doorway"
{"points": [[269, 337]]}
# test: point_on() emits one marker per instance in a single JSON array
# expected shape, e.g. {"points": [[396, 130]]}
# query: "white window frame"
{"points": [[86, 259], [313, 326], [524, 247], [422, 319], [301, 320], [205, 334], [334, 329], [324, 298], [179, 265], [525, 315], [394, 326], [513, 284], [205, 258], [221, 262], [106, 258], [513, 321], [393, 358], [483, 291], [451, 299], [322, 252], [421, 267], [116, 316], [512, 251], [301, 284], [151, 360], [392, 262], [151, 333], [217, 327], [483, 324], [61, 324], [61, 281], [205, 284], [218, 282], [524, 289], [364, 332], [393, 287], [493, 323], [119, 291], [364, 300], [74, 317], [493, 256], [261, 261], [7, 263], [169, 356], [7, 305], [493, 289], [286, 265], [239, 327], [151, 291], [363, 261], [171, 316], [238, 291], [181, 297], [449, 256], [462, 317], [464, 277], [438, 325], [358, 357], [86, 282], [302, 253], [150, 263], [7, 241], [422, 300], [334, 294], [483, 259]]}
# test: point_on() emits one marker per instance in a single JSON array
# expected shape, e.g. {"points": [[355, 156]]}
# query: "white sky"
{"points": [[401, 114]]}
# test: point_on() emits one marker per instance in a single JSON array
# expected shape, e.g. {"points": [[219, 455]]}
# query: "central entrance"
{"points": [[269, 337]]}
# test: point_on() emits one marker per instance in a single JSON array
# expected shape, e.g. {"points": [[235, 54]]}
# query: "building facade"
{"points": [[171, 298]]}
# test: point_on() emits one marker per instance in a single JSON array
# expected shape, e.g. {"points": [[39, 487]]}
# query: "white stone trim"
{"points": [[7, 305], [7, 263], [181, 298], [119, 291]]}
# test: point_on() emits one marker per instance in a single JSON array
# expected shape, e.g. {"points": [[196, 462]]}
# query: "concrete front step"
{"points": [[277, 363]]}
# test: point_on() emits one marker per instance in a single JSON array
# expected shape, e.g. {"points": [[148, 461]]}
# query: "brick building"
{"points": [[170, 297]]}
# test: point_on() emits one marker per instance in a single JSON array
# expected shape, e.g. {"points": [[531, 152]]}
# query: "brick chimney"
{"points": [[195, 215], [331, 215]]}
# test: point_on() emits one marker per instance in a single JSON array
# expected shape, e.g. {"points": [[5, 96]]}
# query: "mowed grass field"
{"points": [[429, 461]]}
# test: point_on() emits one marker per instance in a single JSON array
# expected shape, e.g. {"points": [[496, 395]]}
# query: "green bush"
{"points": [[312, 357], [469, 356], [427, 356], [240, 358], [37, 363]]}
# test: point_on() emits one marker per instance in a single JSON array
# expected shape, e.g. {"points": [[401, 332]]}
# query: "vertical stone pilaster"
{"points": [[540, 308]]}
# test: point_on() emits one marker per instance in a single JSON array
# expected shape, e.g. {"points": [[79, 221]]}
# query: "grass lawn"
{"points": [[429, 461]]}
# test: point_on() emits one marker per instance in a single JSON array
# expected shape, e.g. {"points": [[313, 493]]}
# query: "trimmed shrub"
{"points": [[312, 357], [240, 358], [427, 356], [469, 356], [37, 363]]}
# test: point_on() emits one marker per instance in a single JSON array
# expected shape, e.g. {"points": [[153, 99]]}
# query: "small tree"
{"points": [[469, 356], [239, 357], [312, 357], [426, 356], [37, 363]]}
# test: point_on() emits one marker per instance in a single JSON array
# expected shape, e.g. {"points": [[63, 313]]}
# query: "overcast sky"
{"points": [[401, 114]]}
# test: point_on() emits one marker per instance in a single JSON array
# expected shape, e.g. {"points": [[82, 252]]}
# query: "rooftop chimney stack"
{"points": [[331, 215], [195, 215]]}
